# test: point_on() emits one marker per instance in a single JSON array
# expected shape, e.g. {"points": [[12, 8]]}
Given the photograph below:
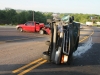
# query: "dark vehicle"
{"points": [[64, 40]]}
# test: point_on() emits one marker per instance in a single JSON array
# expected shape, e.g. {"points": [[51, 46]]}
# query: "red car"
{"points": [[31, 26]]}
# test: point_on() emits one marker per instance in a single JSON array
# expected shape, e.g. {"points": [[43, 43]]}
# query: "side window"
{"points": [[32, 23], [29, 23]]}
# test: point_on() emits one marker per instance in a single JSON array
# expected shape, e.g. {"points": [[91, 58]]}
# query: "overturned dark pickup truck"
{"points": [[64, 40]]}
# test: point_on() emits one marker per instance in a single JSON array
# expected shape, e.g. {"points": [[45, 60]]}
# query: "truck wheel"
{"points": [[46, 56], [20, 29], [58, 56], [41, 32]]}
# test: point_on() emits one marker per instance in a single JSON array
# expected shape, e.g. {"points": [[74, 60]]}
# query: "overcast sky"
{"points": [[61, 6]]}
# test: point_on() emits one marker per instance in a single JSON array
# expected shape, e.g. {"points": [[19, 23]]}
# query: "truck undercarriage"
{"points": [[64, 40]]}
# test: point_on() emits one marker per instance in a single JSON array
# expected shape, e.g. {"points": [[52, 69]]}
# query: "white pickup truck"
{"points": [[89, 23], [98, 24]]}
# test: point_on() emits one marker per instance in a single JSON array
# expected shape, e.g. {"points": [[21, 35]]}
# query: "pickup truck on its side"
{"points": [[31, 26]]}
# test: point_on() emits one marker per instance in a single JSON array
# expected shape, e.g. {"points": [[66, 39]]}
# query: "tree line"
{"points": [[11, 16]]}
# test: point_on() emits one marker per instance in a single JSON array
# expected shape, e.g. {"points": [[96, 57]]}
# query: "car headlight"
{"points": [[17, 27]]}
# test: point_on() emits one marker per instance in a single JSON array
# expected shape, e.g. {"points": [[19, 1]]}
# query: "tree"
{"points": [[10, 14]]}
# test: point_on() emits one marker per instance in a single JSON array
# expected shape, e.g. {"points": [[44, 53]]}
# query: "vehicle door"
{"points": [[37, 26], [30, 26]]}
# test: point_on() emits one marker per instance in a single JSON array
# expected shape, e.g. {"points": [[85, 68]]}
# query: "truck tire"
{"points": [[58, 55], [41, 32], [46, 55], [20, 29]]}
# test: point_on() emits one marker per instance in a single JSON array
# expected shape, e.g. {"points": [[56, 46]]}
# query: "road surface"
{"points": [[17, 57]]}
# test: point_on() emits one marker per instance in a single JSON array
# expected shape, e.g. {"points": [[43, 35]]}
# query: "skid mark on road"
{"points": [[1, 42], [21, 39], [17, 39]]}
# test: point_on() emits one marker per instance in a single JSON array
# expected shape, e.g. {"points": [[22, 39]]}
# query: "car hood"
{"points": [[19, 25]]}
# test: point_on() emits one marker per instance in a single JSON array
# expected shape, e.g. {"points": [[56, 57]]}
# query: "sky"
{"points": [[56, 6]]}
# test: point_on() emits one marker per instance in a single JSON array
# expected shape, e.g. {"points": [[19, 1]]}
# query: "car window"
{"points": [[29, 23]]}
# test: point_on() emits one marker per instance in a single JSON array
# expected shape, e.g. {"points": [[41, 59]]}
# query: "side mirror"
{"points": [[25, 24]]}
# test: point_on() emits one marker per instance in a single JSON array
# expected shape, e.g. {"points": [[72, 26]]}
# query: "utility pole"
{"points": [[33, 15]]}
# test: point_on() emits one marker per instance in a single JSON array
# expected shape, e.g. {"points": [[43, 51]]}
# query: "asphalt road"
{"points": [[18, 54], [12, 35]]}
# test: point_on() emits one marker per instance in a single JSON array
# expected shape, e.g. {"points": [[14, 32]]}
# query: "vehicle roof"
{"points": [[33, 21]]}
